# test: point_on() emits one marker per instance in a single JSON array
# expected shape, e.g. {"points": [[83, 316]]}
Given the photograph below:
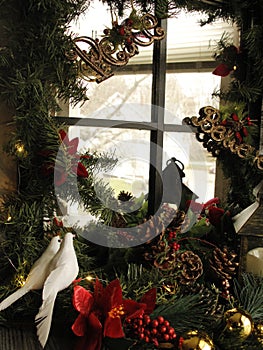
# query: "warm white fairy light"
{"points": [[89, 278], [21, 281]]}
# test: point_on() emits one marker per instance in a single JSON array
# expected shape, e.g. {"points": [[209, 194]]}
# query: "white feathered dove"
{"points": [[63, 271], [37, 275]]}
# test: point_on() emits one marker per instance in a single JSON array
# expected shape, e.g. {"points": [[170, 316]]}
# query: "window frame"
{"points": [[157, 127]]}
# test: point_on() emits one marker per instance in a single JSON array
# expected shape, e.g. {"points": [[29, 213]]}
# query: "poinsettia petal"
{"points": [[133, 309], [215, 214], [81, 170], [211, 202], [149, 298], [92, 337], [60, 176], [73, 146], [82, 300], [57, 222], [222, 70], [79, 327], [194, 206], [112, 295], [63, 136], [98, 295], [113, 327]]}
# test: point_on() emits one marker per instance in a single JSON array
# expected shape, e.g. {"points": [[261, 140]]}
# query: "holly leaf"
{"points": [[118, 343], [200, 228]]}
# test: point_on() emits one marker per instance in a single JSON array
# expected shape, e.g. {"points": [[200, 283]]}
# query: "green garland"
{"points": [[34, 73]]}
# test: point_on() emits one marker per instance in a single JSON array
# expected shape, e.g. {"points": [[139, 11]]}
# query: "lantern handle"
{"points": [[173, 159]]}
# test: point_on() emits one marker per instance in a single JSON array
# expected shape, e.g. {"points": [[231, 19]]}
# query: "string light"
{"points": [[21, 281], [20, 148], [89, 278]]}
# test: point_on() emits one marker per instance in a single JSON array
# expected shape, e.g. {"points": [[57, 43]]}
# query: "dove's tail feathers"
{"points": [[43, 320], [13, 297]]}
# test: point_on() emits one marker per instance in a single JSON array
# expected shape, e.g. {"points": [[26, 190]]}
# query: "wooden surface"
{"points": [[21, 339]]}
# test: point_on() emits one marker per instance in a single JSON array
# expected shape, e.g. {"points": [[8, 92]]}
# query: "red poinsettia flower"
{"points": [[87, 325], [102, 313], [79, 169], [149, 298], [210, 208], [60, 176], [199, 207], [57, 222], [71, 146], [215, 214]]}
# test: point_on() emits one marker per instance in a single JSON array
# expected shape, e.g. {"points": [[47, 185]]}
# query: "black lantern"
{"points": [[249, 226], [174, 190]]}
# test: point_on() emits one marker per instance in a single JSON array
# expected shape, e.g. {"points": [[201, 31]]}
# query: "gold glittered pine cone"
{"points": [[151, 228], [223, 263], [190, 266], [178, 220]]}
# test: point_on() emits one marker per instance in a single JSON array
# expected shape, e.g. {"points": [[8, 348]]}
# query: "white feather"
{"points": [[37, 275], [63, 270]]}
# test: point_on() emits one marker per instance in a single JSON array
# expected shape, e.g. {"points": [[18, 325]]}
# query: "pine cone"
{"points": [[224, 267], [190, 265], [124, 196], [151, 228], [222, 263], [118, 221], [178, 221]]}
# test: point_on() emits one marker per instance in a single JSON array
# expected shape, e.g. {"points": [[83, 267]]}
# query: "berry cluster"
{"points": [[151, 331], [171, 237]]}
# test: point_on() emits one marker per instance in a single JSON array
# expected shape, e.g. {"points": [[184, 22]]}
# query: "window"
{"points": [[118, 116]]}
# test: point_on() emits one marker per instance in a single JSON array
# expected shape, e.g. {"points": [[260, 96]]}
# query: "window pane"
{"points": [[122, 97], [130, 147], [186, 93]]}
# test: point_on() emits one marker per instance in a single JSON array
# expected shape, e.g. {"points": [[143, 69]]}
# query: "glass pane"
{"points": [[122, 97], [186, 93], [131, 149]]}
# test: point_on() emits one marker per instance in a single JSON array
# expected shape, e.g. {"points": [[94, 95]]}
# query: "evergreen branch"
{"points": [[186, 312], [249, 294]]}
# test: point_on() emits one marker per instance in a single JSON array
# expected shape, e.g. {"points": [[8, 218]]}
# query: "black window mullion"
{"points": [[157, 116]]}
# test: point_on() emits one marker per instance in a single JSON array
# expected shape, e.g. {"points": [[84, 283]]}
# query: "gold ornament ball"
{"points": [[258, 332], [239, 322], [196, 340]]}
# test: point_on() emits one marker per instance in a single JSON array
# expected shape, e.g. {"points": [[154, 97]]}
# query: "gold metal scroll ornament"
{"points": [[97, 58], [210, 123]]}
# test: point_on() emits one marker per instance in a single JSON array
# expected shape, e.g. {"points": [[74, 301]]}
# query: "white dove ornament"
{"points": [[37, 275], [63, 271]]}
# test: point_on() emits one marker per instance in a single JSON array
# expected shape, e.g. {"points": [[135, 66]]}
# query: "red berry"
{"points": [[146, 319], [160, 319], [141, 335], [140, 322], [166, 337], [171, 330], [166, 323], [163, 329], [154, 331], [155, 323], [147, 339]]}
